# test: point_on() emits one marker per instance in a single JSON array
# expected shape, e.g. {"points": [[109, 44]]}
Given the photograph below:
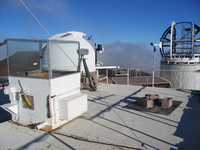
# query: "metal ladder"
{"points": [[93, 86]]}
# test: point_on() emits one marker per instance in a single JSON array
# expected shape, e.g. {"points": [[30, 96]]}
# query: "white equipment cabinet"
{"points": [[40, 93]]}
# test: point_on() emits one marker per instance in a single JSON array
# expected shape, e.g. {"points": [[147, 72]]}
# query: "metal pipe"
{"points": [[154, 54], [41, 125], [193, 39], [128, 76], [95, 45], [49, 60], [107, 75], [171, 38]]}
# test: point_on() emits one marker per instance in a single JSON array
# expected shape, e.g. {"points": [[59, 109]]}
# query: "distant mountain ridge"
{"points": [[20, 61], [3, 68]]}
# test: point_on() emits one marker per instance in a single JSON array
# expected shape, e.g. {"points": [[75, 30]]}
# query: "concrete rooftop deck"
{"points": [[180, 129]]}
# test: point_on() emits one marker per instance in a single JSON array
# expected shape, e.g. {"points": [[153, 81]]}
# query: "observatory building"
{"points": [[87, 61], [180, 51], [44, 79], [84, 44], [44, 82]]}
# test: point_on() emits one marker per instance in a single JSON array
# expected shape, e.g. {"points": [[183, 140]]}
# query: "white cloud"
{"points": [[54, 8], [129, 55], [49, 5]]}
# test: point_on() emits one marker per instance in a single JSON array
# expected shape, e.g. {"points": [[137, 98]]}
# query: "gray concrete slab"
{"points": [[108, 127]]}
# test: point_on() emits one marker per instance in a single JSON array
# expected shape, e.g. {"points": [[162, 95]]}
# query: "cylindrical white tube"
{"points": [[41, 125]]}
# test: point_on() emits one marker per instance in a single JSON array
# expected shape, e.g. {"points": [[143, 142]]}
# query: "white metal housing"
{"points": [[84, 44], [42, 89]]}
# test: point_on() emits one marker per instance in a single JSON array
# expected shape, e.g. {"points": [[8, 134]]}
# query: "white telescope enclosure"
{"points": [[44, 82]]}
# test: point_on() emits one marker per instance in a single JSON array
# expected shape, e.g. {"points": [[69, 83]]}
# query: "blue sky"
{"points": [[106, 20], [128, 21]]}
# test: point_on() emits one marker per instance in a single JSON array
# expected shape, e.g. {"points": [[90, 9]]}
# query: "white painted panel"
{"points": [[39, 89], [65, 84], [35, 86], [72, 107]]}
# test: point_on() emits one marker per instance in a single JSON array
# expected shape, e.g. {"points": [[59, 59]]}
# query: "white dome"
{"points": [[78, 37]]}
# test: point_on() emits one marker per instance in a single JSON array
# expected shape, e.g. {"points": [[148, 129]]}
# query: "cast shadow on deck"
{"points": [[4, 115], [189, 126], [117, 105]]}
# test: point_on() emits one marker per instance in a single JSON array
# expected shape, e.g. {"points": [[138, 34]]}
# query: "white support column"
{"points": [[193, 39], [153, 74], [128, 76], [171, 38], [107, 75]]}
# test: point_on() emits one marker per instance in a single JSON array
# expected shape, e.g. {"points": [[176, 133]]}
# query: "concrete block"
{"points": [[148, 103], [152, 96], [167, 102]]}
